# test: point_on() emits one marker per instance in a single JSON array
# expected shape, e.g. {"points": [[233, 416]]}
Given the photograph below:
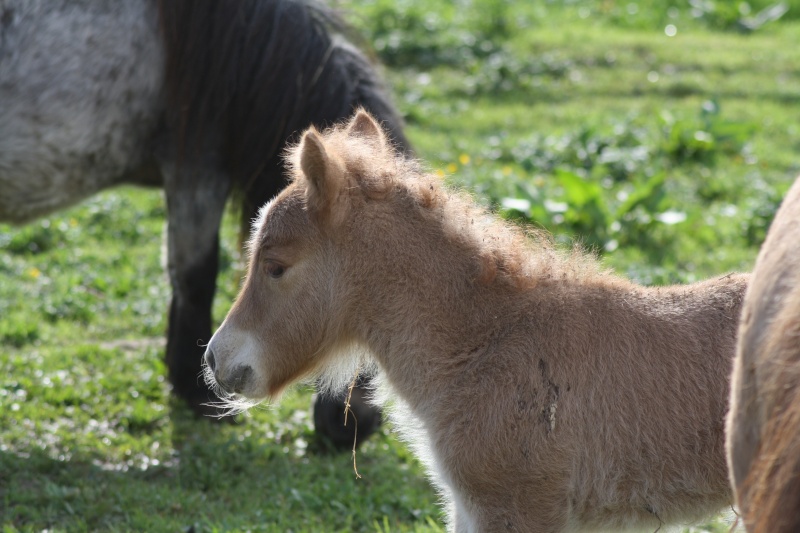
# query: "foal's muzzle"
{"points": [[233, 382]]}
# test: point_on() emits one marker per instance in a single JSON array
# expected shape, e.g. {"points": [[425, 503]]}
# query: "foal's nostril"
{"points": [[210, 361], [239, 378]]}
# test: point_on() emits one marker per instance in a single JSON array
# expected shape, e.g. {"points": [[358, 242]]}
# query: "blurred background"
{"points": [[660, 134]]}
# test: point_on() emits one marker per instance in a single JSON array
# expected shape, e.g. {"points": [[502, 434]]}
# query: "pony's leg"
{"points": [[195, 203], [343, 430]]}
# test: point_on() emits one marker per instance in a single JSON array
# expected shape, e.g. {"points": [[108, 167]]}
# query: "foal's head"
{"points": [[290, 317]]}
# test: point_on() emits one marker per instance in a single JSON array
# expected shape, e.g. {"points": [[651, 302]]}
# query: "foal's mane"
{"points": [[504, 251]]}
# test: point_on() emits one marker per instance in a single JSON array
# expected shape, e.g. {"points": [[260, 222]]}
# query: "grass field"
{"points": [[660, 134]]}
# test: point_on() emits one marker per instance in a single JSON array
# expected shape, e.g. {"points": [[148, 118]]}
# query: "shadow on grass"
{"points": [[215, 476]]}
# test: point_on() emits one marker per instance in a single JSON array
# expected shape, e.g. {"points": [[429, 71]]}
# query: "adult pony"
{"points": [[544, 394], [763, 432], [196, 97]]}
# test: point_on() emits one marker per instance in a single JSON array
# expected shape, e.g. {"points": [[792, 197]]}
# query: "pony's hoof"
{"points": [[329, 419]]}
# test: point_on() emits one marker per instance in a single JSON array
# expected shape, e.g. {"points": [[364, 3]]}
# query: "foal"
{"points": [[764, 421], [543, 394]]}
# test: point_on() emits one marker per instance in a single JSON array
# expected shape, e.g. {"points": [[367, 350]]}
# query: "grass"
{"points": [[661, 134]]}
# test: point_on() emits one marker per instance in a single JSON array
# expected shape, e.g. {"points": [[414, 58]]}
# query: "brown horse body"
{"points": [[543, 394], [764, 421]]}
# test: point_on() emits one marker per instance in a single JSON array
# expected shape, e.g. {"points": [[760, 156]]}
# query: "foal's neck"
{"points": [[421, 319]]}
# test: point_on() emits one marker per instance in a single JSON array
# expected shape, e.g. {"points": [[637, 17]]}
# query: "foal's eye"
{"points": [[275, 270]]}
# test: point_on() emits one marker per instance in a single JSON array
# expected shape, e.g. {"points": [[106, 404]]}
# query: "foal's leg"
{"points": [[196, 198]]}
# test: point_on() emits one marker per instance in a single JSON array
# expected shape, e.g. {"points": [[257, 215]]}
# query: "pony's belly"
{"points": [[80, 96]]}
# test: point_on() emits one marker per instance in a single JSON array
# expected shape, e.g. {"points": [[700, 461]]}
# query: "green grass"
{"points": [[668, 155]]}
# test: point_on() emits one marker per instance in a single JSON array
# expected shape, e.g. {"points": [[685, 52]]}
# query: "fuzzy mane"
{"points": [[504, 251]]}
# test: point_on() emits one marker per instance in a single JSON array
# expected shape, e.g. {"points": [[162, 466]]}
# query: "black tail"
{"points": [[250, 75]]}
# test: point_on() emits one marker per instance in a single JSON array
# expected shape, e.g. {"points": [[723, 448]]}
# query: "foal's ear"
{"points": [[322, 170], [364, 126]]}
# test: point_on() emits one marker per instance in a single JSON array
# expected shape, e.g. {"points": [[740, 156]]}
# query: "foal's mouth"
{"points": [[231, 400]]}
